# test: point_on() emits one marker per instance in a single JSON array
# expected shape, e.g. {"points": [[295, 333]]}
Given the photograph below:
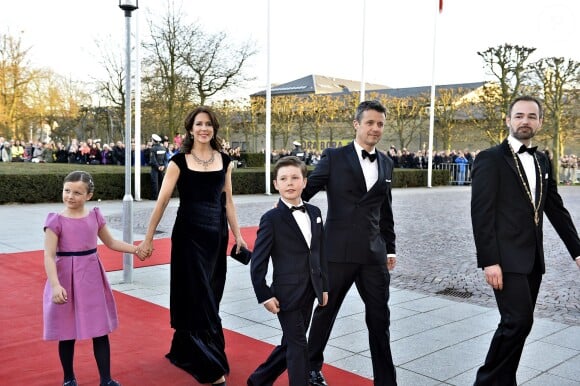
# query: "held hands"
{"points": [[272, 305], [494, 276], [144, 250], [141, 254], [59, 295]]}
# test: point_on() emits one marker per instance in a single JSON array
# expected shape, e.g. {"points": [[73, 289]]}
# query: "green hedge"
{"points": [[22, 182], [253, 160]]}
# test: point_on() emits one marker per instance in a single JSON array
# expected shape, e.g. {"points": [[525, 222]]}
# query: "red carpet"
{"points": [[137, 347], [113, 261]]}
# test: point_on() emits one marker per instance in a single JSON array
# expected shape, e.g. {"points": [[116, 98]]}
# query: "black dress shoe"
{"points": [[316, 378]]}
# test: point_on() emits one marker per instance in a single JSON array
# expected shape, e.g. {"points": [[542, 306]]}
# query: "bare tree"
{"points": [[113, 88], [255, 117], [284, 114], [448, 111], [186, 66], [15, 78], [166, 77], [231, 118], [507, 64], [216, 65], [405, 117], [557, 78], [54, 105]]}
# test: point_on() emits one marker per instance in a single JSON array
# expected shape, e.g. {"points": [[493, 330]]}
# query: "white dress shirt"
{"points": [[370, 169], [303, 221], [528, 162]]}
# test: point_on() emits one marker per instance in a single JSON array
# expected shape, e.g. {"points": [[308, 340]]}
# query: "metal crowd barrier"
{"points": [[459, 174]]}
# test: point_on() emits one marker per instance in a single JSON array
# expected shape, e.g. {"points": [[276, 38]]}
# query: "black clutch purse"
{"points": [[243, 257]]}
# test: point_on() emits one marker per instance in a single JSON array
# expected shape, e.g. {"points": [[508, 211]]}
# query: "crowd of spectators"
{"points": [[310, 157], [95, 152], [418, 160], [401, 158], [89, 152], [569, 169]]}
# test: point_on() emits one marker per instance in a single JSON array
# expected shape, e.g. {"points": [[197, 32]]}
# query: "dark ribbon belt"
{"points": [[81, 253]]}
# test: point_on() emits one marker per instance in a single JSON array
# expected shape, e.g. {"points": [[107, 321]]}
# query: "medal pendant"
{"points": [[536, 218]]}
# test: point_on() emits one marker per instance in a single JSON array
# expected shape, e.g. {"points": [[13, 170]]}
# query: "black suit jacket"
{"points": [[502, 215], [296, 266], [359, 226]]}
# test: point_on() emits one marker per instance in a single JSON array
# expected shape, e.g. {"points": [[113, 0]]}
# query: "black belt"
{"points": [[81, 253]]}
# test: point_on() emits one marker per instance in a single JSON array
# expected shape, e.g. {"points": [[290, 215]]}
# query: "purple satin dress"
{"points": [[90, 310]]}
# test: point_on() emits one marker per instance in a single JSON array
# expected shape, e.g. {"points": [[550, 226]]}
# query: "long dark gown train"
{"points": [[198, 269]]}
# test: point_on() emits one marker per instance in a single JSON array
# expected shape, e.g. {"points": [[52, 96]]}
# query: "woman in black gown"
{"points": [[202, 174]]}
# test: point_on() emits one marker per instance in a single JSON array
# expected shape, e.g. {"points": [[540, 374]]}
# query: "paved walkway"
{"points": [[436, 339]]}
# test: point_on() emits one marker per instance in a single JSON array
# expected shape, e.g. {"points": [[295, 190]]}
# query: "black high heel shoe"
{"points": [[72, 382], [111, 382]]}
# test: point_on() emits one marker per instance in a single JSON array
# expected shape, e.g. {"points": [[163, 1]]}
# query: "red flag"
{"points": [[440, 6]]}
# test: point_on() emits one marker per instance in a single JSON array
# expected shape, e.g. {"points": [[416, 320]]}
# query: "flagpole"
{"points": [[267, 151], [362, 76], [432, 104], [137, 111]]}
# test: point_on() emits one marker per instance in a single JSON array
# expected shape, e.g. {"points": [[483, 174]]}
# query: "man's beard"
{"points": [[522, 135]]}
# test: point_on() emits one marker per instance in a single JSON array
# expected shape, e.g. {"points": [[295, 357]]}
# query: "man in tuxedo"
{"points": [[512, 188], [359, 238], [291, 235]]}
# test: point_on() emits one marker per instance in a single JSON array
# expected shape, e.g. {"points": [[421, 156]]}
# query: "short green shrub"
{"points": [[34, 183]]}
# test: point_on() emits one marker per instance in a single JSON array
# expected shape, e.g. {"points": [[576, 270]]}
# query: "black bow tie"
{"points": [[300, 208], [530, 150], [365, 154]]}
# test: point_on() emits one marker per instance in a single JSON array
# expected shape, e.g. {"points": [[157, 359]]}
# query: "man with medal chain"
{"points": [[512, 188]]}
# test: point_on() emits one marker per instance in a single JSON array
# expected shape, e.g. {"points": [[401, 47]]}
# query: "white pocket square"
{"points": [[546, 176], [318, 220], [387, 180]]}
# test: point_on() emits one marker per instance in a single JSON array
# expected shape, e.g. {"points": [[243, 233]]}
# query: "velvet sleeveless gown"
{"points": [[198, 270]]}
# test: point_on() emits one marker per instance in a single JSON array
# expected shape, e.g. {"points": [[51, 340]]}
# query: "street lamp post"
{"points": [[128, 6]]}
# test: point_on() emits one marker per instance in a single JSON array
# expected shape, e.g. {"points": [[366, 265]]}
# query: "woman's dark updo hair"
{"points": [[215, 142]]}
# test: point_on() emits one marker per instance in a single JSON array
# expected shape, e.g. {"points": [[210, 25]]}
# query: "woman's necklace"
{"points": [[204, 163], [534, 206]]}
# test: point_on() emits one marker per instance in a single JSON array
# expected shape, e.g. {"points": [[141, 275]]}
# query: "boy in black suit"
{"points": [[290, 234]]}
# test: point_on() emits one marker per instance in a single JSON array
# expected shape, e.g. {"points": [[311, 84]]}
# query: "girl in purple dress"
{"points": [[78, 302]]}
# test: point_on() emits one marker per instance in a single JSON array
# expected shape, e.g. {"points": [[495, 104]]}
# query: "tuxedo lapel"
{"points": [[382, 171], [313, 226], [290, 220], [509, 158], [354, 163], [541, 182]]}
